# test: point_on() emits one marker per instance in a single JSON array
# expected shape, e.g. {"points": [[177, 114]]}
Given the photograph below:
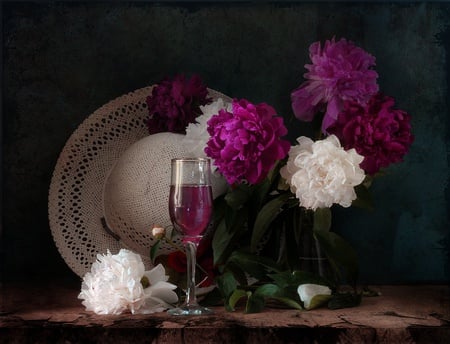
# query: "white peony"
{"points": [[197, 137], [196, 133], [322, 173], [114, 286]]}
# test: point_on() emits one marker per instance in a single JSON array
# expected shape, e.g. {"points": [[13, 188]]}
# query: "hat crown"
{"points": [[136, 192], [94, 187]]}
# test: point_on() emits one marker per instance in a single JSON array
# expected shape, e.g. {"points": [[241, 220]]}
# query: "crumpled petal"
{"points": [[308, 291], [158, 273], [162, 290]]}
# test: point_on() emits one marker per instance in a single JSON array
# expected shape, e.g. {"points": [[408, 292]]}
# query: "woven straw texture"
{"points": [[111, 168]]}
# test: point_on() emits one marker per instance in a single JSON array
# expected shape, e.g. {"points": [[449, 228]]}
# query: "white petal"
{"points": [[158, 273], [153, 305], [308, 291], [166, 295]]}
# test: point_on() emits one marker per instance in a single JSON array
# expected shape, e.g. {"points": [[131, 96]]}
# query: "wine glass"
{"points": [[190, 208]]}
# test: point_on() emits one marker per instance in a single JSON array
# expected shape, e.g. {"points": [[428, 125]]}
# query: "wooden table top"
{"points": [[401, 314]]}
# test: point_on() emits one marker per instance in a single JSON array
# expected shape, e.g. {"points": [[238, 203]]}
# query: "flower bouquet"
{"points": [[278, 194]]}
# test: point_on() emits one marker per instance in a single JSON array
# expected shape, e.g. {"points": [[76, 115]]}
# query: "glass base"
{"points": [[190, 310]]}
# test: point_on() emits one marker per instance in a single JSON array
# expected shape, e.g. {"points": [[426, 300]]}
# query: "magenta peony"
{"points": [[175, 103], [246, 143], [340, 71], [377, 131]]}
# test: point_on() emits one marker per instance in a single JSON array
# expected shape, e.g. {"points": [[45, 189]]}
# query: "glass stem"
{"points": [[191, 256]]}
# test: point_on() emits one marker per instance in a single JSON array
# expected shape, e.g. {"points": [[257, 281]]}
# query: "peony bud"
{"points": [[158, 232]]}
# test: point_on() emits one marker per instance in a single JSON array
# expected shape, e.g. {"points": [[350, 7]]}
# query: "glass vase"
{"points": [[309, 256]]}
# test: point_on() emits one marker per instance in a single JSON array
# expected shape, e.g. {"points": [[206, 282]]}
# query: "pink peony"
{"points": [[246, 143], [340, 71], [377, 131], [175, 103]]}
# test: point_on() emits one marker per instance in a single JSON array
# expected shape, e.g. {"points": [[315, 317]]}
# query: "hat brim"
{"points": [[75, 204]]}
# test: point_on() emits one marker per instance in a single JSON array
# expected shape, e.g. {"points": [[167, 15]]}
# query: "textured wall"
{"points": [[63, 61]]}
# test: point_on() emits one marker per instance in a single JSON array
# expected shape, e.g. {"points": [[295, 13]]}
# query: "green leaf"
{"points": [[213, 298], [292, 202], [274, 173], [235, 220], [282, 279], [260, 192], [226, 284], [303, 277], [236, 296], [238, 196], [265, 217], [339, 252], [237, 272], [257, 300], [322, 219], [255, 304], [154, 250], [221, 239], [267, 290], [318, 300], [220, 207], [250, 266], [253, 264], [289, 282], [344, 300], [287, 278], [363, 198], [289, 302]]}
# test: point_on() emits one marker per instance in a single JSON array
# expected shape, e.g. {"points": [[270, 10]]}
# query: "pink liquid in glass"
{"points": [[190, 208]]}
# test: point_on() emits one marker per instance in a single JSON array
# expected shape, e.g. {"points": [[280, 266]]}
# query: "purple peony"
{"points": [[175, 103], [340, 71], [246, 143], [377, 131]]}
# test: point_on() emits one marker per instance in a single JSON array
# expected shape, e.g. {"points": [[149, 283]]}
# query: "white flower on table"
{"points": [[322, 173], [114, 286], [313, 295]]}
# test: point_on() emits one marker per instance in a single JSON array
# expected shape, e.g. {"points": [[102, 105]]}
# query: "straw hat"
{"points": [[111, 183]]}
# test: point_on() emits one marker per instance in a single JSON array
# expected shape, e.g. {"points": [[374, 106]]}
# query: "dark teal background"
{"points": [[62, 61]]}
